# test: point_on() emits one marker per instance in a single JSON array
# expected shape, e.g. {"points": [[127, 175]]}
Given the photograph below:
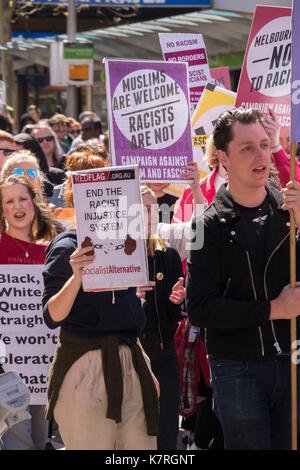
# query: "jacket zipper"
{"points": [[255, 297], [157, 314], [276, 344]]}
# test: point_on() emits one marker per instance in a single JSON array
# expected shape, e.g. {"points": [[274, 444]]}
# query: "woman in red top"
{"points": [[26, 225]]}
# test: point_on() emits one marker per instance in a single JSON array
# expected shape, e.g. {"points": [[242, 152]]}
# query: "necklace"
{"points": [[26, 252], [260, 220]]}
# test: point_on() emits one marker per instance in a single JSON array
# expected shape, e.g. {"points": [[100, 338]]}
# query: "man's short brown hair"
{"points": [[222, 133]]}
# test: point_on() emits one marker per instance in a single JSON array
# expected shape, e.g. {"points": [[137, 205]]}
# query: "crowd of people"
{"points": [[207, 339]]}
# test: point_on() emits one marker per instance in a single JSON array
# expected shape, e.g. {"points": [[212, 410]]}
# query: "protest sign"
{"points": [[28, 346], [214, 101], [266, 72], [109, 218], [221, 76], [149, 120], [188, 48], [175, 189]]}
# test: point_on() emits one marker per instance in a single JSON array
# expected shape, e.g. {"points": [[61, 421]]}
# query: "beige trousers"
{"points": [[80, 410]]}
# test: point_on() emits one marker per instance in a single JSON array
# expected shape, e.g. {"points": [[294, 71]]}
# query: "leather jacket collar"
{"points": [[227, 209], [229, 215]]}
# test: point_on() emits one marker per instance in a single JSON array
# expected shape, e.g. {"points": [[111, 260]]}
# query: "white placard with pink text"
{"points": [[188, 48]]}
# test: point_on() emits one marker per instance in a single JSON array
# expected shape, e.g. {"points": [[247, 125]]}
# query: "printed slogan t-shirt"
{"points": [[12, 253]]}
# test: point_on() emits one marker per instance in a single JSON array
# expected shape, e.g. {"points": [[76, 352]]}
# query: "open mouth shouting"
{"points": [[260, 170], [20, 215]]}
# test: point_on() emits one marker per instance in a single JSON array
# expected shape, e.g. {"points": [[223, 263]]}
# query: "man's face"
{"points": [[88, 130], [248, 156]]}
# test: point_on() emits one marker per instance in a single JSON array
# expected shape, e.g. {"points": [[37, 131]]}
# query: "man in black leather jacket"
{"points": [[238, 288]]}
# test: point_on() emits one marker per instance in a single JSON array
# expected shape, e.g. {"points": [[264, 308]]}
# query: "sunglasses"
{"points": [[60, 123], [48, 138], [75, 131], [6, 152], [32, 172]]}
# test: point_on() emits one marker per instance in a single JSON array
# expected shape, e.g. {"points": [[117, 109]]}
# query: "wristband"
{"points": [[276, 148]]}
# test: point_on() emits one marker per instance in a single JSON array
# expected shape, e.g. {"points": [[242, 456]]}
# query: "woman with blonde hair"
{"points": [[31, 222], [26, 225], [24, 163], [162, 305], [209, 185]]}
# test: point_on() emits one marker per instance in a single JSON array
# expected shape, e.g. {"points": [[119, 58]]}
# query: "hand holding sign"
{"points": [[191, 172], [79, 260]]}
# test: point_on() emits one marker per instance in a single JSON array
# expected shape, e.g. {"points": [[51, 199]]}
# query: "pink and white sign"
{"points": [[221, 75], [188, 48], [266, 73]]}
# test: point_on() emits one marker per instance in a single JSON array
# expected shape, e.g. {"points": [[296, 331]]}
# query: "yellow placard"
{"points": [[213, 102]]}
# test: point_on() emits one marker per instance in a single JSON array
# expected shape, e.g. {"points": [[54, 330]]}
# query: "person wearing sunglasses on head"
{"points": [[26, 227], [47, 139], [31, 172], [24, 163], [53, 175], [7, 146]]}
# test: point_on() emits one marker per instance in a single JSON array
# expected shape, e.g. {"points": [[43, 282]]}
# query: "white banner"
{"points": [[188, 48], [27, 345], [109, 218]]}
